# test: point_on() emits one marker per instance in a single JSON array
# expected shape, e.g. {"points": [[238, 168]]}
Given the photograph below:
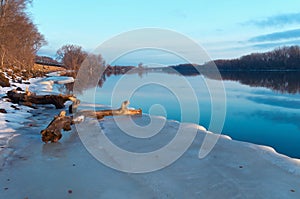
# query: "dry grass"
{"points": [[46, 68]]}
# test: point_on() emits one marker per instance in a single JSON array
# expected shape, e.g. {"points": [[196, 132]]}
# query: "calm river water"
{"points": [[260, 108]]}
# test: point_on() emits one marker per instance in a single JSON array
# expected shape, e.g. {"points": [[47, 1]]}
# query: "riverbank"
{"points": [[32, 169], [16, 120]]}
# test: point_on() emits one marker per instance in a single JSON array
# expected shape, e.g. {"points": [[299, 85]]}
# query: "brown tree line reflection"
{"points": [[281, 81], [284, 81], [91, 77]]}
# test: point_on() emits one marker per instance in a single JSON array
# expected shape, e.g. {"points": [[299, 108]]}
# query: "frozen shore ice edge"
{"points": [[32, 169]]}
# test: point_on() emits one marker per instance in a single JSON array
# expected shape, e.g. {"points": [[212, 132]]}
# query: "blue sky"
{"points": [[225, 29]]}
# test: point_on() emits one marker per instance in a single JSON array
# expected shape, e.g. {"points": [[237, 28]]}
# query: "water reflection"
{"points": [[282, 81], [279, 102], [85, 80], [279, 117]]}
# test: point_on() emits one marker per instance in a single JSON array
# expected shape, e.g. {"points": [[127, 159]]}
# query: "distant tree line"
{"points": [[183, 69], [19, 37], [45, 60], [283, 58], [72, 57], [278, 70]]}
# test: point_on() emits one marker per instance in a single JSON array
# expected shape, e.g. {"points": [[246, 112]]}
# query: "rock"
{"points": [[4, 81], [2, 110], [19, 89], [15, 107]]}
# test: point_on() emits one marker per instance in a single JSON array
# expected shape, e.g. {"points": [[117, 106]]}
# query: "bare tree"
{"points": [[19, 37], [71, 56]]}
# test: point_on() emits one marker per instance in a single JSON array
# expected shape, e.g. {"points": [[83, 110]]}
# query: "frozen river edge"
{"points": [[233, 169]]}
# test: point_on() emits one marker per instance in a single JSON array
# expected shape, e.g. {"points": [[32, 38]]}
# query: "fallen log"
{"points": [[123, 110], [53, 131], [28, 98]]}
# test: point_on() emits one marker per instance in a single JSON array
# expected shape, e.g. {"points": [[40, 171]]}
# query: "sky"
{"points": [[224, 29]]}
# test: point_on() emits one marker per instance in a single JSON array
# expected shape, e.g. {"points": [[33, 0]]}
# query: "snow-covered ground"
{"points": [[18, 116], [66, 169], [14, 119]]}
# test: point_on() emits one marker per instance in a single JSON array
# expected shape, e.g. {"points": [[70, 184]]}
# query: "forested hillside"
{"points": [[284, 58]]}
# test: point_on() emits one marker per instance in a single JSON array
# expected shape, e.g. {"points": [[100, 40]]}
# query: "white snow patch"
{"points": [[66, 80], [291, 165]]}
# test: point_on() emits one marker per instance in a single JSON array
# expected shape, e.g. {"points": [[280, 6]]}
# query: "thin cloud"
{"points": [[276, 21], [275, 44], [276, 36]]}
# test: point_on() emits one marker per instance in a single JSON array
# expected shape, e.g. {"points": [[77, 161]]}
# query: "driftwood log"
{"points": [[53, 132], [123, 110], [28, 98]]}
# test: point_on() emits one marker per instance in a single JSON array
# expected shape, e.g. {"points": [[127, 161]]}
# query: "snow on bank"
{"points": [[51, 84], [231, 170], [17, 115], [117, 135], [10, 123]]}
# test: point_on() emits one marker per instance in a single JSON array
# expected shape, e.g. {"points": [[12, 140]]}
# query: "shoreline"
{"points": [[44, 85], [66, 169], [20, 118]]}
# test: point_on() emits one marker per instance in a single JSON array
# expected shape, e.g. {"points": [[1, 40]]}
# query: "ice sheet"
{"points": [[67, 170]]}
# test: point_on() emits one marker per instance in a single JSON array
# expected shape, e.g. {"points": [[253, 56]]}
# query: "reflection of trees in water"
{"points": [[93, 74], [283, 81]]}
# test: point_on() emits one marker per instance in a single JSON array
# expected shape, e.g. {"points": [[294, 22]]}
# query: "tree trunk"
{"points": [[123, 110], [53, 132], [2, 57], [29, 98]]}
